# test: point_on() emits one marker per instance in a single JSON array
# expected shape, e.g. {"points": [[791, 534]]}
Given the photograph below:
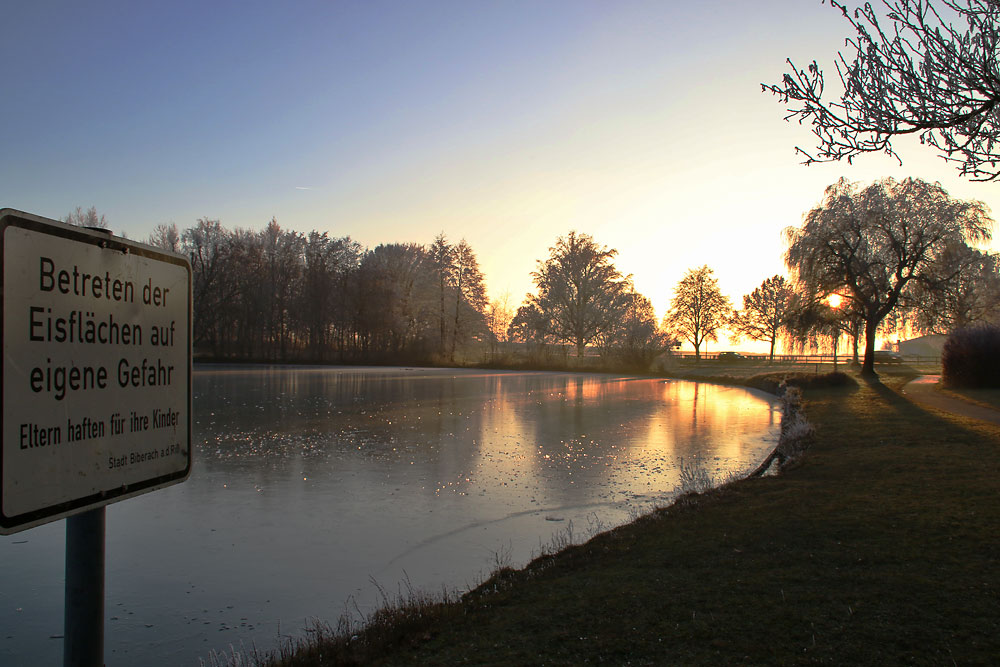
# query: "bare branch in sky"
{"points": [[908, 71]]}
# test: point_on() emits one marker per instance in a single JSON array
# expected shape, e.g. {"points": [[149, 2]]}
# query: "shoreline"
{"points": [[773, 569], [788, 447]]}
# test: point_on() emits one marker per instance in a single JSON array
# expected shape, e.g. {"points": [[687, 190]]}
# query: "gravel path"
{"points": [[923, 390]]}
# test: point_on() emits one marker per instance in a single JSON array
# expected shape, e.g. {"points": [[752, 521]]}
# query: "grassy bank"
{"points": [[879, 546], [989, 398]]}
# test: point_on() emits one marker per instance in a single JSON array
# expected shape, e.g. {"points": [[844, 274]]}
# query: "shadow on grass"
{"points": [[889, 393]]}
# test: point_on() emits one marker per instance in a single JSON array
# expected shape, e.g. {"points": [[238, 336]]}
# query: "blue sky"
{"points": [[506, 123]]}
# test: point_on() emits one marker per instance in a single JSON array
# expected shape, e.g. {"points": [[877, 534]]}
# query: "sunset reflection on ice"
{"points": [[310, 483]]}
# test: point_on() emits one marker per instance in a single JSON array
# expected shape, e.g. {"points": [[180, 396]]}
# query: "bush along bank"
{"points": [[971, 358], [796, 433]]}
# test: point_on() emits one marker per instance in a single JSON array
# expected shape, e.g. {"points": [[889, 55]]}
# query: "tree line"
{"points": [[282, 295], [867, 259]]}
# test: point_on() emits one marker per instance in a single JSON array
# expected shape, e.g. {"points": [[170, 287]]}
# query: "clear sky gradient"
{"points": [[507, 123]]}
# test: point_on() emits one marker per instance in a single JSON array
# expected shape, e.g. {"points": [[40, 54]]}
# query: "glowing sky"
{"points": [[507, 123]]}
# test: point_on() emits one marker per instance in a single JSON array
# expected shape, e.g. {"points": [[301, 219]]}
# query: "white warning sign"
{"points": [[96, 370]]}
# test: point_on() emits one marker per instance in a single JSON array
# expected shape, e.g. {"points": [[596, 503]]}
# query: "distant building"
{"points": [[924, 346]]}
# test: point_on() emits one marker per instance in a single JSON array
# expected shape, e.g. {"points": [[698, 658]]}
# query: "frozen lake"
{"points": [[310, 483]]}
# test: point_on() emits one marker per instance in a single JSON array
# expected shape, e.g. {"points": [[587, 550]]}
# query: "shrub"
{"points": [[971, 357], [771, 382]]}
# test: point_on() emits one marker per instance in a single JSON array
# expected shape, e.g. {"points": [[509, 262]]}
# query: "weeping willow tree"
{"points": [[869, 243]]}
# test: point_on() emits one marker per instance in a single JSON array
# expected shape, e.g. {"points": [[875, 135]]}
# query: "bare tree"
{"points": [[470, 293], [579, 289], [867, 244], [698, 309], [529, 326], [320, 294], [971, 297], [912, 72], [764, 312], [441, 256], [206, 247], [811, 320], [166, 236], [499, 315], [281, 271], [88, 218], [395, 299], [634, 340], [853, 324]]}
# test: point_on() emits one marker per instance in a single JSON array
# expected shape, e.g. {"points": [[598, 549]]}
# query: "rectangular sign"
{"points": [[96, 370]]}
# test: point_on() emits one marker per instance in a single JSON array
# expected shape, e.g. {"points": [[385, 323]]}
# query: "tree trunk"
{"points": [[442, 345], [868, 367], [855, 334], [454, 330]]}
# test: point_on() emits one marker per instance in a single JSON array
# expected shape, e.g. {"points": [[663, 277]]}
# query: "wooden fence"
{"points": [[797, 358]]}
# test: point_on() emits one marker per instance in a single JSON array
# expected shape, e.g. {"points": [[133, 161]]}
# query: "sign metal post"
{"points": [[83, 615]]}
